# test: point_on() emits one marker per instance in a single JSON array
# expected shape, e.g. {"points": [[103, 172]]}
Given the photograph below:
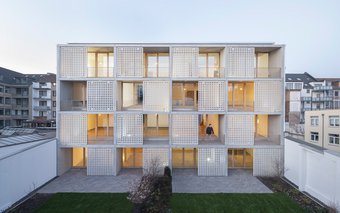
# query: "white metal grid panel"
{"points": [[156, 96], [101, 96], [268, 96], [73, 62], [73, 129], [212, 162], [185, 61], [129, 128], [240, 130], [129, 61], [240, 62], [184, 129], [267, 161], [100, 161], [160, 155], [211, 95]]}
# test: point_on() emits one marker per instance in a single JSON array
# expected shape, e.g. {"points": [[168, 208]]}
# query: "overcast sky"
{"points": [[31, 29]]}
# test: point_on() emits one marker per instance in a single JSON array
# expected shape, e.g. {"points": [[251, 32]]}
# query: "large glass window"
{"points": [[209, 65], [79, 157], [240, 96], [157, 64], [100, 64], [184, 158], [100, 128], [184, 95], [156, 125], [240, 158], [132, 158]]}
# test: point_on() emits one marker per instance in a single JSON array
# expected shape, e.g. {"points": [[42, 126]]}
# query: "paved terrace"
{"points": [[184, 181]]}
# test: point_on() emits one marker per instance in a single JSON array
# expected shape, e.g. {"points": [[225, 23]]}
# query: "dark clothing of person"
{"points": [[210, 130]]}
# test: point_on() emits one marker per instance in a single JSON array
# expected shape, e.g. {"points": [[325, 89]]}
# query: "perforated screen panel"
{"points": [[185, 61], [268, 97], [101, 96], [212, 162], [100, 161], [73, 62], [240, 62], [73, 129], [129, 128], [240, 130], [129, 61], [156, 96], [211, 95], [184, 129]]}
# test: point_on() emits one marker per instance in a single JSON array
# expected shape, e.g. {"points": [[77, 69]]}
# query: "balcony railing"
{"points": [[306, 98], [100, 72], [41, 97], [211, 72], [73, 105], [157, 72], [320, 88], [319, 99], [42, 108], [268, 72]]}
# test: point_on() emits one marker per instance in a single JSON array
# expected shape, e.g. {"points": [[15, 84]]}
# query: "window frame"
{"points": [[314, 136], [334, 121], [334, 138], [314, 120]]}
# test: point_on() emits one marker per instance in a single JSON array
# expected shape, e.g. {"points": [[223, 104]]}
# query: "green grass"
{"points": [[87, 202], [276, 202], [117, 202]]}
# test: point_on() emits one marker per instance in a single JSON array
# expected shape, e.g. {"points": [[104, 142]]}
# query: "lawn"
{"points": [[117, 202]]}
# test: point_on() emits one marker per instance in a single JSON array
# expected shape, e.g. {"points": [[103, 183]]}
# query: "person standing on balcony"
{"points": [[209, 131]]}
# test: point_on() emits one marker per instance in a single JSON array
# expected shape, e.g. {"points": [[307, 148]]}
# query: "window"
{"points": [[314, 136], [333, 139], [41, 113], [42, 103], [54, 114], [333, 121], [314, 121], [54, 103], [42, 84], [336, 93], [157, 64], [308, 91], [53, 93], [42, 94]]}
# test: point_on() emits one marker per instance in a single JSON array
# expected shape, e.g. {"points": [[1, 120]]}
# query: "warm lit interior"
{"points": [[184, 158], [132, 158], [156, 126], [266, 128], [100, 128], [100, 62], [209, 64], [184, 95], [241, 96], [240, 158], [156, 64], [79, 157], [217, 123], [132, 95]]}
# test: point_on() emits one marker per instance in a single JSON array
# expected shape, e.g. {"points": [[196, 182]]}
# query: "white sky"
{"points": [[31, 29]]}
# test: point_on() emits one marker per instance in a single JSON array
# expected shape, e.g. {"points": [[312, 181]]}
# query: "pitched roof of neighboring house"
{"points": [[43, 78], [11, 77], [305, 77]]}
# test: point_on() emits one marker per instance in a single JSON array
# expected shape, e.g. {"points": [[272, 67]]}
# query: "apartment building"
{"points": [[120, 105], [322, 128], [14, 98], [43, 100], [305, 93]]}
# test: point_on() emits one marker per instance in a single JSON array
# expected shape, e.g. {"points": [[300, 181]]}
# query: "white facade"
{"points": [[314, 171], [157, 101], [24, 168]]}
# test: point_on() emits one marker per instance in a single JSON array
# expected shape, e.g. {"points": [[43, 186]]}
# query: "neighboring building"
{"points": [[43, 100], [322, 128], [121, 105], [27, 162], [15, 98], [305, 93]]}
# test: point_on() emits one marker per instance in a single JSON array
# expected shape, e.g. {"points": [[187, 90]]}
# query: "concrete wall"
{"points": [[25, 171], [313, 170]]}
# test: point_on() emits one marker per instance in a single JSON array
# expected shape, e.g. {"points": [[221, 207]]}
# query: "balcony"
{"points": [[322, 88], [21, 95], [38, 86], [24, 117], [42, 108], [43, 97], [100, 129], [156, 129], [268, 72], [215, 121], [185, 96], [321, 99], [156, 62], [306, 98], [73, 96], [19, 106]]}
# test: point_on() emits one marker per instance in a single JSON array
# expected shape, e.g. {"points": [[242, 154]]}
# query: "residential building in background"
{"points": [[27, 100], [15, 98], [120, 105], [43, 100], [322, 128], [306, 93]]}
